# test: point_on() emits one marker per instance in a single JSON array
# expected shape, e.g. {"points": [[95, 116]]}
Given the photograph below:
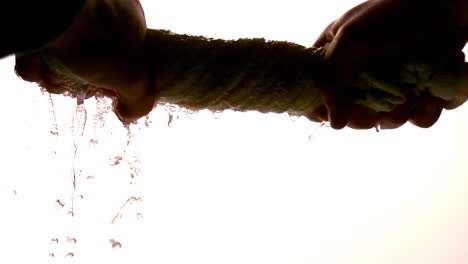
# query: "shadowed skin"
{"points": [[105, 51]]}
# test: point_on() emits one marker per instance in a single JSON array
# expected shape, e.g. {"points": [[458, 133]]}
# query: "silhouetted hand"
{"points": [[387, 29], [102, 51]]}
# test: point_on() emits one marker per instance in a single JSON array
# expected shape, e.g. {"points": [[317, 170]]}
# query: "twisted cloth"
{"points": [[271, 76], [268, 76]]}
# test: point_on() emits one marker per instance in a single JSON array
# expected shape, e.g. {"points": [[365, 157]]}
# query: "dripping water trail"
{"points": [[54, 129], [77, 127]]}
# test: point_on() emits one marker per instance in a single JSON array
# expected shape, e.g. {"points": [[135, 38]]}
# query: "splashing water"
{"points": [[315, 133], [130, 201]]}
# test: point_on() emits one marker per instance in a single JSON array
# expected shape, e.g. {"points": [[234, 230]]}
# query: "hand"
{"points": [[103, 50], [385, 28]]}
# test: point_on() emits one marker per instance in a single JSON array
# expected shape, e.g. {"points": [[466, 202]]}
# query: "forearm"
{"points": [[29, 25]]}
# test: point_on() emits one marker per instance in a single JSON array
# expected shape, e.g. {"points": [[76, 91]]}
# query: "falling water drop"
{"points": [[191, 114], [139, 216], [217, 114], [128, 202], [325, 124], [59, 204], [313, 136], [294, 117], [171, 120], [103, 106], [115, 244], [115, 160], [377, 128], [148, 120], [71, 240]]}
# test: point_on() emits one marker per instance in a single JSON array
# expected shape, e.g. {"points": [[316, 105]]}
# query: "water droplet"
{"points": [[54, 131], [325, 124], [14, 192], [314, 135], [59, 204], [173, 108], [377, 128], [139, 216], [294, 117], [51, 255], [217, 114], [191, 114], [148, 121], [128, 202], [101, 122], [54, 240], [70, 255], [103, 106], [171, 120], [71, 240], [115, 160], [115, 244]]}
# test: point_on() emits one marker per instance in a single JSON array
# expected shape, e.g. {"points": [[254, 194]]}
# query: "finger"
{"points": [[427, 111], [326, 36], [330, 31], [129, 111], [362, 117], [454, 103], [399, 116], [28, 67], [317, 115], [337, 105]]}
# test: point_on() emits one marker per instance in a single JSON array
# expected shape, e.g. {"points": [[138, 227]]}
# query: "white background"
{"points": [[245, 188]]}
